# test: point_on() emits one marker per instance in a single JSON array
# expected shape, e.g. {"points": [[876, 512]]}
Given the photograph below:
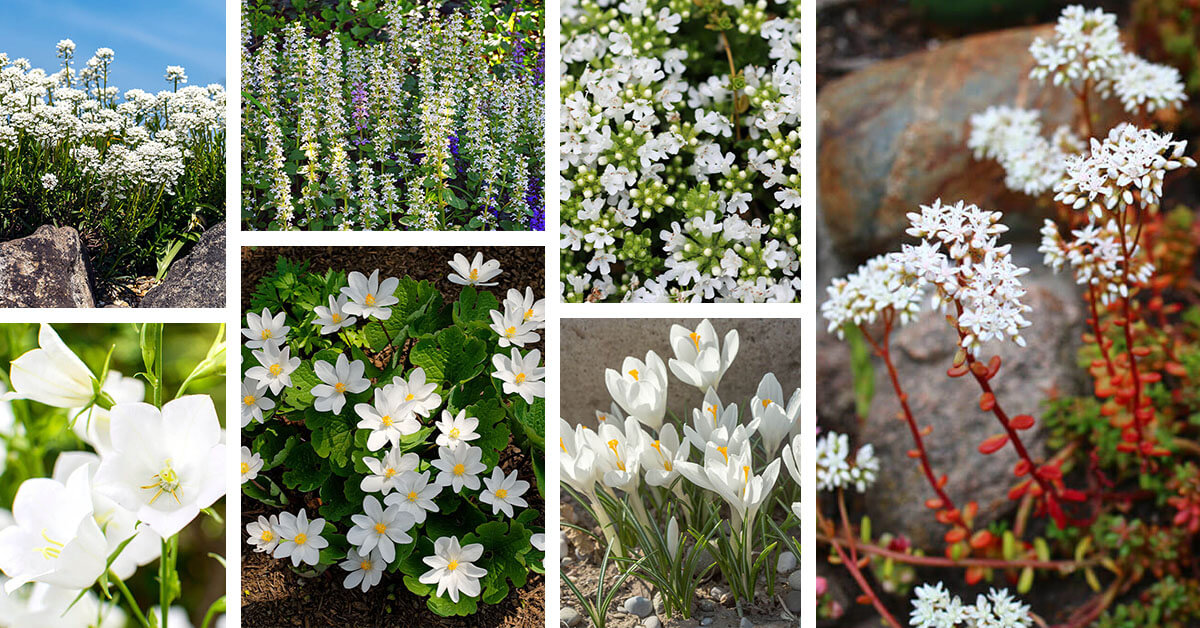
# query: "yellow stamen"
{"points": [[460, 469], [562, 444], [266, 333], [529, 314], [386, 420], [276, 369], [713, 411], [724, 452], [165, 481], [370, 300], [389, 472], [634, 373], [501, 493], [695, 339], [409, 397], [766, 402], [412, 496], [658, 447], [365, 565], [380, 528], [300, 539], [473, 275], [519, 379], [249, 400], [267, 536], [612, 444], [245, 468], [339, 388], [337, 318], [454, 433], [510, 332], [53, 548], [454, 563]]}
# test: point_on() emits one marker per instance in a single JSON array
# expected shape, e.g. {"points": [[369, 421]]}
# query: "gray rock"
{"points": [[745, 623], [786, 564], [707, 605], [640, 606], [660, 607], [795, 580], [793, 600], [46, 269], [652, 622], [569, 616], [707, 621], [197, 280]]}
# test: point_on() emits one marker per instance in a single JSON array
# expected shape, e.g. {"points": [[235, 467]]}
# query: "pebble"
{"points": [[746, 623], [569, 616], [707, 621], [707, 606], [652, 622], [660, 607], [716, 592], [794, 600], [796, 581], [640, 606], [787, 562]]}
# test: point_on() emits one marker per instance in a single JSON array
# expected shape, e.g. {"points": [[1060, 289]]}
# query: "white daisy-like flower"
{"points": [[521, 374], [389, 419], [454, 431], [459, 467], [380, 528], [452, 568], [333, 318], [343, 377], [275, 368], [388, 472], [475, 272], [263, 534], [531, 308], [368, 297], [416, 390], [300, 539], [251, 463], [365, 570], [504, 492], [254, 402], [264, 329], [512, 328], [414, 494]]}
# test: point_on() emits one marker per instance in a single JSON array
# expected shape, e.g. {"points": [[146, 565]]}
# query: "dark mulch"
{"points": [[272, 593]]}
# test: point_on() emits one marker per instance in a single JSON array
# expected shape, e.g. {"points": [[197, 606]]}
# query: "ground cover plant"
{"points": [[680, 142], [138, 174], [111, 485], [384, 430], [393, 115], [681, 500], [1111, 505]]}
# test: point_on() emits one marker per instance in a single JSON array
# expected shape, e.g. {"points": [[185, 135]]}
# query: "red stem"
{"points": [[851, 563], [1135, 402], [1096, 330]]}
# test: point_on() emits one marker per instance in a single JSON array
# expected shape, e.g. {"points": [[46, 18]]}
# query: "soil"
{"points": [[273, 595]]}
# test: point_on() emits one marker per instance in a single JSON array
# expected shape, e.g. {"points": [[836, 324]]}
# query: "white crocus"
{"points": [[700, 360], [791, 458], [414, 495], [474, 273], [54, 538], [52, 374], [416, 390], [577, 459], [504, 492], [660, 456], [731, 475], [710, 418], [530, 308], [254, 402], [92, 424], [452, 568], [640, 388], [337, 380], [455, 431], [368, 297], [772, 420], [388, 419], [251, 464], [617, 453], [366, 569], [300, 539], [459, 467], [274, 370], [264, 534], [333, 318], [521, 374], [164, 465], [387, 472], [264, 329], [380, 528]]}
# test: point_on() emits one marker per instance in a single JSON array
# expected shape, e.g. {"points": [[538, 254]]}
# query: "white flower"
{"points": [[264, 535], [264, 329], [452, 568], [387, 473], [459, 467], [504, 492], [368, 297], [54, 538], [380, 529], [176, 73], [415, 390], [456, 430], [531, 309], [934, 607], [414, 495], [366, 570], [275, 368], [475, 273], [93, 425], [388, 419], [521, 374], [251, 463], [164, 465], [577, 459], [773, 420], [659, 457], [834, 469], [334, 317], [876, 287], [700, 360], [512, 328], [254, 402], [300, 539], [52, 374], [49, 181], [617, 453], [640, 388], [730, 473], [344, 377], [538, 541], [66, 48]]}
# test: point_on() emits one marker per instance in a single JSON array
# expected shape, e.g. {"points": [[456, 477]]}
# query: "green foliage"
{"points": [[1169, 603]]}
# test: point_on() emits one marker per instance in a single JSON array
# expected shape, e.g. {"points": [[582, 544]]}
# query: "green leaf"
{"points": [[273, 446], [415, 299], [493, 430], [532, 419], [340, 500], [450, 356], [306, 470], [332, 436], [472, 307], [505, 545], [862, 369]]}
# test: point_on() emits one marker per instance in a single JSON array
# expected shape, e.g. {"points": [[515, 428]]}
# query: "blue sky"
{"points": [[146, 35]]}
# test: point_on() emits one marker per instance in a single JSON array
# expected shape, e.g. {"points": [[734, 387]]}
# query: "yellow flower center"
{"points": [[695, 339], [460, 469], [634, 373], [370, 300], [529, 314], [410, 397], [766, 402], [249, 400], [165, 481], [510, 332], [454, 563], [501, 493], [337, 318], [412, 496], [389, 472], [519, 379], [300, 539], [612, 444], [339, 388], [713, 411], [365, 565], [267, 536], [245, 467], [52, 549], [724, 452], [266, 333], [473, 275], [380, 528], [454, 433], [386, 420], [276, 369]]}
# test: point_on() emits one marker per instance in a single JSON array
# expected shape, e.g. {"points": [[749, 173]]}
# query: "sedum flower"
{"points": [[165, 465], [473, 273], [452, 568], [414, 495], [640, 388], [368, 297], [337, 380], [388, 419], [700, 360], [834, 469], [934, 607], [504, 492], [380, 529], [365, 569], [455, 431], [264, 535], [251, 464], [264, 329], [300, 539], [334, 317], [254, 402], [275, 368], [521, 375], [459, 467], [52, 374], [386, 473]]}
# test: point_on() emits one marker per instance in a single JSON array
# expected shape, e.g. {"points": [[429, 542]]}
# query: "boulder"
{"points": [[922, 351], [197, 280], [46, 269], [894, 136]]}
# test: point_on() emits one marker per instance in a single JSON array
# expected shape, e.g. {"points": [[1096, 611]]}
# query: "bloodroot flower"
{"points": [[453, 569], [504, 492], [521, 374], [474, 273], [344, 377], [301, 539], [368, 297]]}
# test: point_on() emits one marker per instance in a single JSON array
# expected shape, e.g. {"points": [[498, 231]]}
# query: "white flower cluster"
{"points": [[1013, 137], [397, 411], [644, 445], [143, 140], [142, 484], [678, 182], [836, 471], [862, 296], [1097, 257], [934, 607], [1127, 168]]}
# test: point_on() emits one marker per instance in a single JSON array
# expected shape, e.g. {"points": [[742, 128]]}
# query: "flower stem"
{"points": [[1127, 249], [133, 605]]}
